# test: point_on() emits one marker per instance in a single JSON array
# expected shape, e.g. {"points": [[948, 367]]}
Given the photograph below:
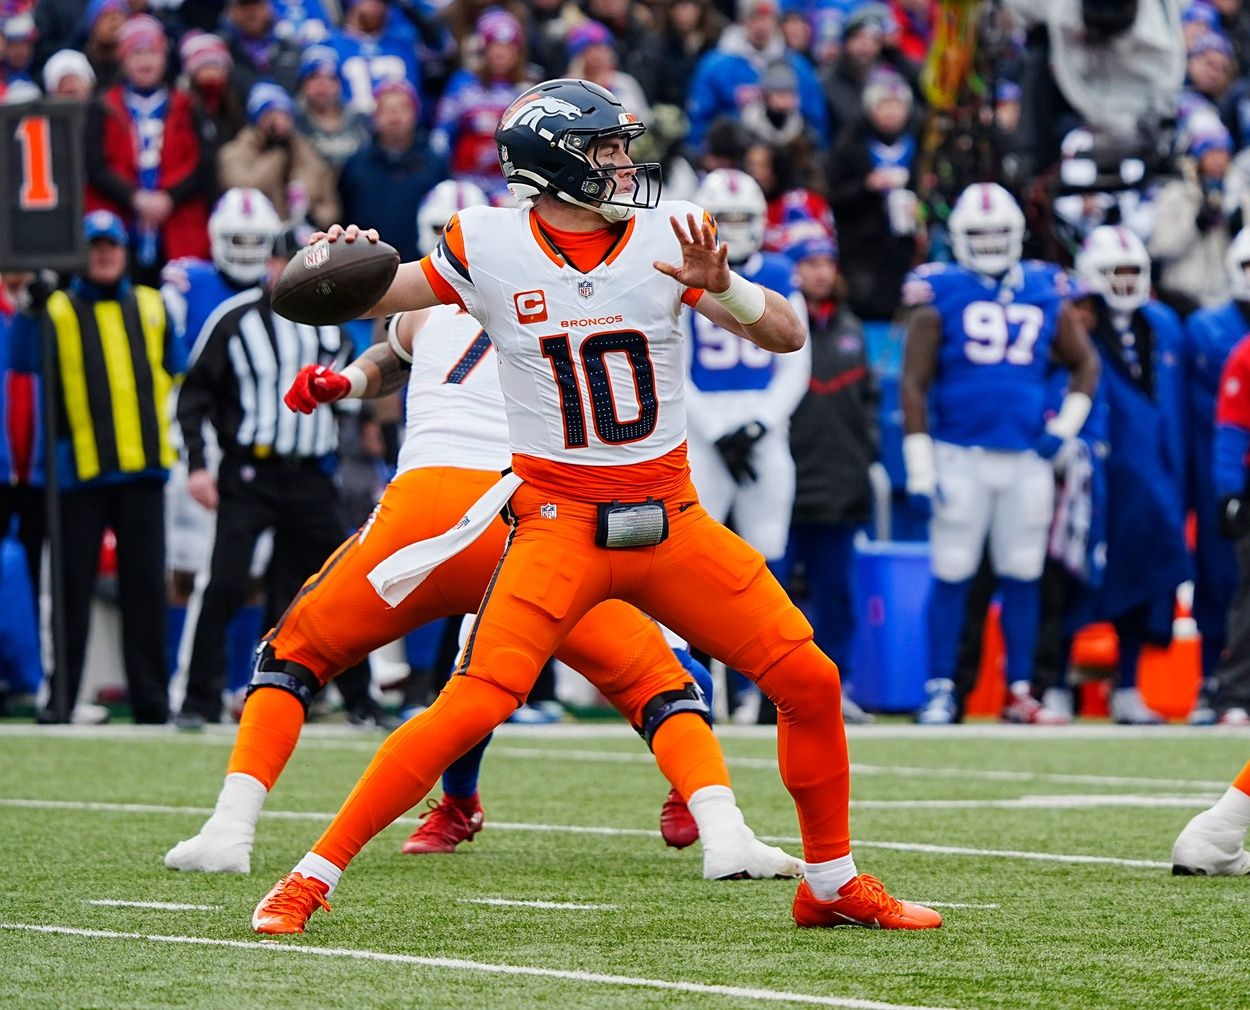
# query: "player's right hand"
{"points": [[313, 386], [348, 234]]}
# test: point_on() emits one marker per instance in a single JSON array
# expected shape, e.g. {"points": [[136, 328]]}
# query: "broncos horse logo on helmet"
{"points": [[548, 141]]}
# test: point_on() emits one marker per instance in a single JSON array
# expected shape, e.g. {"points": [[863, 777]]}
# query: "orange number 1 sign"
{"points": [[38, 189]]}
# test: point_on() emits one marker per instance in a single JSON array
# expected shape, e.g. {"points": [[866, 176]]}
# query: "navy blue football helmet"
{"points": [[547, 141]]}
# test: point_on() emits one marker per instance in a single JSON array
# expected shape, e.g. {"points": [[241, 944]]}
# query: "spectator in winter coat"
{"points": [[638, 49], [143, 156], [729, 76], [206, 66], [688, 30], [871, 193], [335, 131], [258, 53], [103, 22], [383, 184], [834, 438], [272, 157]]}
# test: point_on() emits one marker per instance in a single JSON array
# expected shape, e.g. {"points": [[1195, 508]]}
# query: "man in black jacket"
{"points": [[834, 439]]}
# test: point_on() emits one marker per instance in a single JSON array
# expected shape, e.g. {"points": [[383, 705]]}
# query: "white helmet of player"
{"points": [[987, 229], [1114, 263], [738, 204], [439, 205], [1237, 263], [242, 230]]}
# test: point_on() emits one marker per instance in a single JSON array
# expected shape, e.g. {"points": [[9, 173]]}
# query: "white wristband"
{"points": [[744, 299], [359, 382], [919, 462], [1071, 417]]}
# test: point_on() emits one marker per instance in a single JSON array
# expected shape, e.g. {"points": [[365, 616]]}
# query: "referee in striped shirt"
{"points": [[276, 473]]}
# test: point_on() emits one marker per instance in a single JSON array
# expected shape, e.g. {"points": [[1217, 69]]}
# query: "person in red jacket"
{"points": [[143, 156]]}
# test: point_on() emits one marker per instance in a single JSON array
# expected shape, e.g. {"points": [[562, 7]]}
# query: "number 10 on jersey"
{"points": [[597, 377]]}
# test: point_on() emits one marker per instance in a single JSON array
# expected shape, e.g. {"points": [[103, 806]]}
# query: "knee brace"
{"points": [[285, 675], [667, 704]]}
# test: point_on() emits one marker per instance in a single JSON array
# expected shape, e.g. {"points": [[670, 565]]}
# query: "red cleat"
{"points": [[447, 824], [862, 901], [289, 906], [677, 826]]}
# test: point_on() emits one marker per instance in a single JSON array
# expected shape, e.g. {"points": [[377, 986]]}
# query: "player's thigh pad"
{"points": [[961, 513], [1021, 523], [624, 654], [715, 590]]}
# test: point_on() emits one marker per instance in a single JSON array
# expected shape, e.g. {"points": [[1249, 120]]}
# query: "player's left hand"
{"points": [[1048, 445], [314, 385], [704, 264]]}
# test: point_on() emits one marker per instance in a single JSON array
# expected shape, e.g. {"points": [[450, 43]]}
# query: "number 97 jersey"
{"points": [[990, 385]]}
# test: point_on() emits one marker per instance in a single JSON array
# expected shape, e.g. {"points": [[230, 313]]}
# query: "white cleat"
{"points": [[751, 860], [216, 849], [1210, 847]]}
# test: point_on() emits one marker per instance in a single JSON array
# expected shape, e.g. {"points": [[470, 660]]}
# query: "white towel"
{"points": [[398, 575]]}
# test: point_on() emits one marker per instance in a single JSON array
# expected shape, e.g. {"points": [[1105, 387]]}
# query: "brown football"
{"points": [[333, 282]]}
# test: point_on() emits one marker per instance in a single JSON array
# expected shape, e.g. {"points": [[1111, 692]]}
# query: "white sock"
{"points": [[1234, 807], [319, 868], [716, 812], [826, 879], [240, 801]]}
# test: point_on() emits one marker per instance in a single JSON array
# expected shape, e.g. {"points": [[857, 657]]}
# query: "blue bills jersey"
{"points": [[722, 361], [192, 289], [365, 63], [990, 386]]}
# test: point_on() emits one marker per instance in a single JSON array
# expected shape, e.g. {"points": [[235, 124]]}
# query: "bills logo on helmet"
{"points": [[535, 110]]}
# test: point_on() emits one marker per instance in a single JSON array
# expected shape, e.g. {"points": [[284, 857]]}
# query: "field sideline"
{"points": [[1047, 850]]}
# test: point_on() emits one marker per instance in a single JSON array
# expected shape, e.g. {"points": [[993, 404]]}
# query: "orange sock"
{"points": [[1242, 781], [268, 732], [689, 754], [811, 748], [408, 764]]}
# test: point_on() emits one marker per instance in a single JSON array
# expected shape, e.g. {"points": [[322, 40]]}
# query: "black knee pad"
{"points": [[667, 704], [294, 678]]}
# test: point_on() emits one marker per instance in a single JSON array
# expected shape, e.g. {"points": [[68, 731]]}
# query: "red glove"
{"points": [[315, 385]]}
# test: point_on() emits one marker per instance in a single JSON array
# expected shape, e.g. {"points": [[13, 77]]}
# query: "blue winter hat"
{"points": [[806, 237], [1201, 13], [316, 59], [1213, 137], [105, 224], [265, 97]]}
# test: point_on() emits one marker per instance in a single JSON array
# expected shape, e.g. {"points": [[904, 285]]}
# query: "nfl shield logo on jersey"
{"points": [[586, 289], [548, 511]]}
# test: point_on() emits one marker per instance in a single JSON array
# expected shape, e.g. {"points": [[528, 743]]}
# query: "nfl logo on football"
{"points": [[586, 289]]}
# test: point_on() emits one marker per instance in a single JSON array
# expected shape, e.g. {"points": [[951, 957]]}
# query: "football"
{"points": [[333, 282]]}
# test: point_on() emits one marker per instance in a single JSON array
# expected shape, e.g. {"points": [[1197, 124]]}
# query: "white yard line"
{"points": [[457, 964], [165, 906], [567, 906], [301, 815]]}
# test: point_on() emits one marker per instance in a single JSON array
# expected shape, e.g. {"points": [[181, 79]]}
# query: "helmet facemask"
{"points": [[1125, 287], [614, 191]]}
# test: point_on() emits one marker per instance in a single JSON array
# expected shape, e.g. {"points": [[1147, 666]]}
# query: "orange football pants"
{"points": [[704, 582], [337, 619]]}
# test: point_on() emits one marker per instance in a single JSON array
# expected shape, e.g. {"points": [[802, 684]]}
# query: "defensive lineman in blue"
{"points": [[982, 336], [739, 398]]}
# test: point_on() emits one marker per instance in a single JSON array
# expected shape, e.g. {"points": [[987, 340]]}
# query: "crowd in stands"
{"points": [[354, 110]]}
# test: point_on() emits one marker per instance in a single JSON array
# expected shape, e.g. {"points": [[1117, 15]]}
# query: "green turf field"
{"points": [[1049, 848]]}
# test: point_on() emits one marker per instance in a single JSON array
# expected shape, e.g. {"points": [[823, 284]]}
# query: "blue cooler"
{"points": [[891, 646]]}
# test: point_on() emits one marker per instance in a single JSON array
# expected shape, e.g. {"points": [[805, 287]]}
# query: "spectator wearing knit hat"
{"points": [[206, 75], [336, 132], [383, 184], [729, 76], [143, 155], [1210, 68], [101, 25], [592, 57], [68, 74], [834, 439], [269, 155], [19, 48], [871, 191], [257, 50], [775, 117], [475, 99], [638, 49], [371, 53]]}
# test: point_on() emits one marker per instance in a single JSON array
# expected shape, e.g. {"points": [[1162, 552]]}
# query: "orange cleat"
{"points": [[862, 901], [447, 824], [677, 826], [289, 906]]}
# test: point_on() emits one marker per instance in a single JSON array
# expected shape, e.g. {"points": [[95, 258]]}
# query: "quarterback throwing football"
{"points": [[581, 291]]}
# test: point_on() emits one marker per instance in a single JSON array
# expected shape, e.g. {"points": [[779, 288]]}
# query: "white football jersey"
{"points": [[591, 364], [455, 405]]}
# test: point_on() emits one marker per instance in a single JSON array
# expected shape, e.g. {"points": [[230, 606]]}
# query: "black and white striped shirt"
{"points": [[245, 358]]}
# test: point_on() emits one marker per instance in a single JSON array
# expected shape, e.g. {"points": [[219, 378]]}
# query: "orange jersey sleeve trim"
{"points": [[664, 477], [443, 291]]}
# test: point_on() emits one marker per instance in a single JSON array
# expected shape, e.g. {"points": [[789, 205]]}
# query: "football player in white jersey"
{"points": [[581, 292], [456, 443]]}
